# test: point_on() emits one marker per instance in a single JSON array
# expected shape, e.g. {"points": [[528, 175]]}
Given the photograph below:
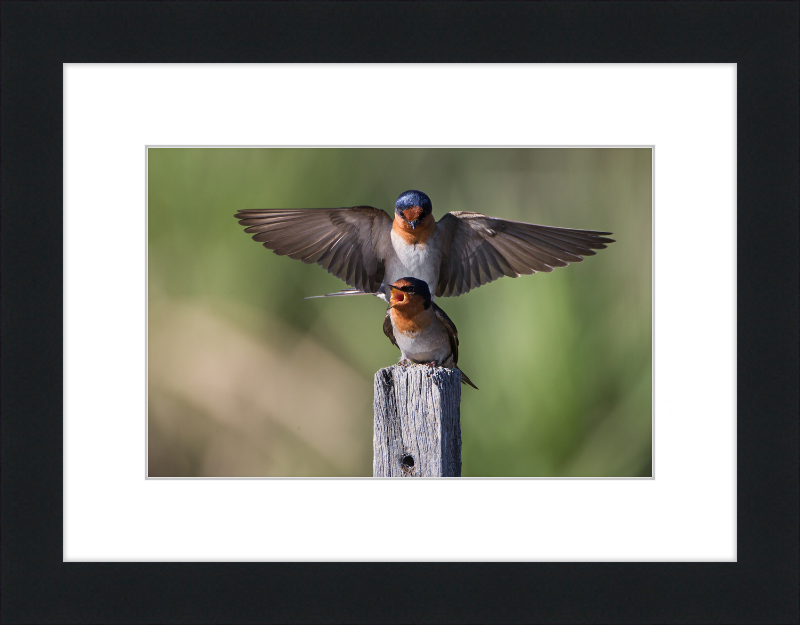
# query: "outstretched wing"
{"points": [[388, 329], [351, 243], [451, 331], [479, 249]]}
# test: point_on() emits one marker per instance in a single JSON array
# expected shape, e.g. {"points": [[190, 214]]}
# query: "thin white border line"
{"points": [[474, 478], [653, 310], [395, 147], [146, 312]]}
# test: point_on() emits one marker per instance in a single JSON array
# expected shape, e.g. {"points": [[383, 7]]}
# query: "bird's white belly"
{"points": [[429, 345], [419, 261]]}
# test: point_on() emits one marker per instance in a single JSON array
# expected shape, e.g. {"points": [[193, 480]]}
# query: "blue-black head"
{"points": [[412, 207], [406, 290]]}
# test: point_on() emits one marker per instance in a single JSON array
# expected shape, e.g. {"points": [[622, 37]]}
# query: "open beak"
{"points": [[397, 297]]}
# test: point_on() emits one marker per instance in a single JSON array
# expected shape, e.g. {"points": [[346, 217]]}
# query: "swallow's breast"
{"points": [[422, 339], [419, 261]]}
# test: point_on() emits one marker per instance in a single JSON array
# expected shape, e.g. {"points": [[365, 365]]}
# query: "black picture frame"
{"points": [[38, 37]]}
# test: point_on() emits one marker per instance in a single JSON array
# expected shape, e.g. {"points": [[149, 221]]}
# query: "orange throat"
{"points": [[414, 236], [409, 318]]}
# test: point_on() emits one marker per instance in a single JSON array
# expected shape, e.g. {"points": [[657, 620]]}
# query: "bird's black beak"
{"points": [[413, 224]]}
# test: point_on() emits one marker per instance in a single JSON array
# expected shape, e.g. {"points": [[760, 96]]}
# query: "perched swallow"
{"points": [[421, 330], [460, 252]]}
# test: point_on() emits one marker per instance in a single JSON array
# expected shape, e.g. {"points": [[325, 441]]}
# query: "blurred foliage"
{"points": [[248, 379]]}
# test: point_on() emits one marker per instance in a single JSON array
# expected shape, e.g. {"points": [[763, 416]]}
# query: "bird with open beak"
{"points": [[419, 328], [369, 250]]}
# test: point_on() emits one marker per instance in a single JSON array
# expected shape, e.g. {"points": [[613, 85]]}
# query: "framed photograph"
{"points": [[173, 117], [248, 378]]}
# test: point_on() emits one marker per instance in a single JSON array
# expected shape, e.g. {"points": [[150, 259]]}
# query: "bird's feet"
{"points": [[432, 363]]}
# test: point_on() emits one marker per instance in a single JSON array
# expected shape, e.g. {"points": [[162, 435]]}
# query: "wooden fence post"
{"points": [[417, 429]]}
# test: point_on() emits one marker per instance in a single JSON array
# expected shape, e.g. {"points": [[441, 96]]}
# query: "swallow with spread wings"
{"points": [[370, 251]]}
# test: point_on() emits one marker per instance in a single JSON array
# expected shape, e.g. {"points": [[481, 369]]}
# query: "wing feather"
{"points": [[314, 250], [293, 243], [451, 331], [338, 257], [323, 256], [281, 235], [527, 256], [351, 243], [538, 251], [567, 252], [388, 328], [486, 273], [506, 249], [479, 249]]}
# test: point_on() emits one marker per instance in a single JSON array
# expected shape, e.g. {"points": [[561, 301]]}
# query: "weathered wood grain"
{"points": [[417, 422]]}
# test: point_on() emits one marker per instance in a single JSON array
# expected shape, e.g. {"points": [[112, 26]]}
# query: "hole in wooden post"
{"points": [[408, 462]]}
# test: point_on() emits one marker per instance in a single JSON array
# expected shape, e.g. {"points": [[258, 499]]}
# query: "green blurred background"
{"points": [[248, 379]]}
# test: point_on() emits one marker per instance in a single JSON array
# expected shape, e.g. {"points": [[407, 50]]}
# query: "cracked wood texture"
{"points": [[417, 422]]}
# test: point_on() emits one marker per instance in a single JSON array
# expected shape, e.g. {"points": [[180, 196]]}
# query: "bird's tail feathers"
{"points": [[466, 380]]}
